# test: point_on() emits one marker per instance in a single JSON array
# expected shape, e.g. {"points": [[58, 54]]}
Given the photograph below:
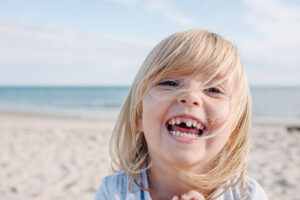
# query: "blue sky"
{"points": [[105, 42]]}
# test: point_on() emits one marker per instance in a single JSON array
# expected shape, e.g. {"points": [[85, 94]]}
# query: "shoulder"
{"points": [[117, 179], [112, 184], [254, 191], [115, 186]]}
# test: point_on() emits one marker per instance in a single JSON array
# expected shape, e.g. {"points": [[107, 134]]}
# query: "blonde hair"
{"points": [[192, 53]]}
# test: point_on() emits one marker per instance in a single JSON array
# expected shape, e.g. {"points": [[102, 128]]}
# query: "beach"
{"points": [[65, 157]]}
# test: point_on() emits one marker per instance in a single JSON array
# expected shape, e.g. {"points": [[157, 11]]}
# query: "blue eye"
{"points": [[169, 83], [213, 90]]}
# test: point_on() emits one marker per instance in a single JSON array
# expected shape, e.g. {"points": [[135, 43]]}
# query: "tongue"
{"points": [[185, 130]]}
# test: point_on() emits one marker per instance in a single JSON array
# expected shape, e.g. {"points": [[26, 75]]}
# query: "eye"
{"points": [[169, 83], [213, 90]]}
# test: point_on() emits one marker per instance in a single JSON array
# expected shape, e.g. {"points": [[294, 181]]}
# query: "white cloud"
{"points": [[272, 45], [44, 50], [277, 25], [164, 8], [124, 1]]}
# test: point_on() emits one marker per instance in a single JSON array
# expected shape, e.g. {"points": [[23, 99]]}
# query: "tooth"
{"points": [[189, 124], [198, 126], [182, 134], [173, 122], [173, 132], [169, 122], [195, 124], [201, 127], [178, 121]]}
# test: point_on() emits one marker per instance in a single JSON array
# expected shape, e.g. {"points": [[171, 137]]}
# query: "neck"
{"points": [[164, 182]]}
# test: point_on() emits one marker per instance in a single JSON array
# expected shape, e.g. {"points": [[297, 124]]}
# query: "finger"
{"points": [[186, 196], [175, 198], [195, 195]]}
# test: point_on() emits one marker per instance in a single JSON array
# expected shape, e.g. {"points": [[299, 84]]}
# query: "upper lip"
{"points": [[188, 116]]}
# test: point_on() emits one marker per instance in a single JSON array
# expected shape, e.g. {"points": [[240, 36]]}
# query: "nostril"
{"points": [[196, 103], [189, 102]]}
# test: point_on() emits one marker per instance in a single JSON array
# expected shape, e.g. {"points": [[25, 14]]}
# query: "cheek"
{"points": [[219, 113], [215, 144], [153, 112]]}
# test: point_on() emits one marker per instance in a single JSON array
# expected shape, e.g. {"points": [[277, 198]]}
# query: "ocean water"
{"points": [[63, 100], [269, 103]]}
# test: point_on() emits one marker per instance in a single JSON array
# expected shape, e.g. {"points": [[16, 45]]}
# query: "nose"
{"points": [[189, 99]]}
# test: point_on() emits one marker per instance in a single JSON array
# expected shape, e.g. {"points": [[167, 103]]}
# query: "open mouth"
{"points": [[185, 127]]}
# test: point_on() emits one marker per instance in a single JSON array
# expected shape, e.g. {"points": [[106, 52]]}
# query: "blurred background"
{"points": [[75, 44], [66, 67]]}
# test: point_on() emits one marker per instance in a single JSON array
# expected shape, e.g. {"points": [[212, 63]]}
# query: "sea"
{"points": [[270, 104]]}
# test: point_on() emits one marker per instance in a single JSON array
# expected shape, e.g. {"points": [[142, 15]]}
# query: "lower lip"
{"points": [[182, 139]]}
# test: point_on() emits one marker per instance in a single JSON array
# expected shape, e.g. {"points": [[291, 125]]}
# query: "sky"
{"points": [[104, 42]]}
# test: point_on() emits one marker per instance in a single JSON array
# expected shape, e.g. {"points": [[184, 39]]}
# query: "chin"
{"points": [[185, 161]]}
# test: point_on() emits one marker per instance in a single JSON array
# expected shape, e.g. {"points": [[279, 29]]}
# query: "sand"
{"points": [[61, 157]]}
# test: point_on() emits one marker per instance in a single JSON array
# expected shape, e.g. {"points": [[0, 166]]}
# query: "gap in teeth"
{"points": [[189, 123]]}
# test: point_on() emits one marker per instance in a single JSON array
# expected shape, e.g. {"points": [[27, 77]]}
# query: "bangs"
{"points": [[204, 56]]}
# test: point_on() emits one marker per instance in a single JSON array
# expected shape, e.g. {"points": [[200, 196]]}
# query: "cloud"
{"points": [[277, 28], [130, 2], [163, 8], [33, 50], [272, 45]]}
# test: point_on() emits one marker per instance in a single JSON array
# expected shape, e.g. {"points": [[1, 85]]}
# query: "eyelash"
{"points": [[213, 90], [169, 83]]}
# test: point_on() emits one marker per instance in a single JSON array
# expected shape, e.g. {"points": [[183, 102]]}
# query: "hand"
{"points": [[191, 195]]}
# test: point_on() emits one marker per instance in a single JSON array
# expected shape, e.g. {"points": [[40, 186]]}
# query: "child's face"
{"points": [[172, 125]]}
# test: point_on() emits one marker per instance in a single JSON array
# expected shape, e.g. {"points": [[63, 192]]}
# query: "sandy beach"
{"points": [[61, 157]]}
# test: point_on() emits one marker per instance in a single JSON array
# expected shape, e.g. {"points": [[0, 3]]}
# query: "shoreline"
{"points": [[59, 115], [289, 122], [46, 156]]}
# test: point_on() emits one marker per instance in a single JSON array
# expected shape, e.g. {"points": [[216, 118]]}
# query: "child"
{"points": [[184, 129]]}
